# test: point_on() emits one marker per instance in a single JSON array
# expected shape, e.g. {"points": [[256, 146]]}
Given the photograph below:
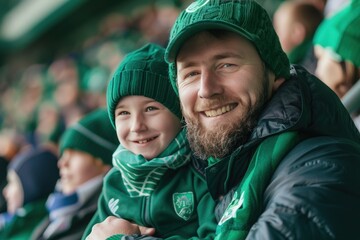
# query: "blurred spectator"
{"points": [[12, 142], [31, 176], [270, 5], [328, 7], [319, 4], [50, 125], [65, 73], [86, 154], [295, 22], [338, 51], [30, 93], [155, 21], [334, 6]]}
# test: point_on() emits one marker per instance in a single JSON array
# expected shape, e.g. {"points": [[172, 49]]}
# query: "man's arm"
{"points": [[314, 193]]}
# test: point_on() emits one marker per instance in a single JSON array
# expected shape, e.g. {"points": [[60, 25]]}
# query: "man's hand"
{"points": [[112, 226]]}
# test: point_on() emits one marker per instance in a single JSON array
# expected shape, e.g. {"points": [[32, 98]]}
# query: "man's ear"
{"points": [[277, 83]]}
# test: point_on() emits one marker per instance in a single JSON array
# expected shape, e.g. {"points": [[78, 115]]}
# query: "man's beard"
{"points": [[224, 139]]}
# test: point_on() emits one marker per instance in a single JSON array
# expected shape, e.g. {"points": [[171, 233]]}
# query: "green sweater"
{"points": [[25, 221], [180, 207]]}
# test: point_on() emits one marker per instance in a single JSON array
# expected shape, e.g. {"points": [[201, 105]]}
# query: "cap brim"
{"points": [[174, 46]]}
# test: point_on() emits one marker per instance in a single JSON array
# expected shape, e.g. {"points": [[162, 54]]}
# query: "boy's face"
{"points": [[13, 192], [77, 167], [145, 126]]}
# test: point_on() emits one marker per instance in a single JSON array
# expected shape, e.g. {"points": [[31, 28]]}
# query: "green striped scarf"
{"points": [[140, 175], [246, 205]]}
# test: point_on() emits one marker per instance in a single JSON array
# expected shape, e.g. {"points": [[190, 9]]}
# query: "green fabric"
{"points": [[297, 55], [140, 175], [25, 221], [93, 134], [341, 33], [142, 72], [246, 18], [115, 237], [246, 205], [159, 209]]}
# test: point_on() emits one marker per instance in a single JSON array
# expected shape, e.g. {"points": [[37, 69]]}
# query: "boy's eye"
{"points": [[151, 108], [123, 113]]}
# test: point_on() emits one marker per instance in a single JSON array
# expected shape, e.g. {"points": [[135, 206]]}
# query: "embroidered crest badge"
{"points": [[184, 204]]}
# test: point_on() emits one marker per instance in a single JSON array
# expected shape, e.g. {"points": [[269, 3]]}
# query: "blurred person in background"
{"points": [[49, 124], [295, 23], [154, 22], [31, 176], [334, 6], [337, 48], [270, 5], [328, 7], [319, 4], [86, 150], [30, 91], [65, 74], [11, 143]]}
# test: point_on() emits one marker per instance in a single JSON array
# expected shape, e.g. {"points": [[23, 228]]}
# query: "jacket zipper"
{"points": [[147, 211]]}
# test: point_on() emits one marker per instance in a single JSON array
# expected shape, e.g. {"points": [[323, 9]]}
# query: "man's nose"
{"points": [[209, 84]]}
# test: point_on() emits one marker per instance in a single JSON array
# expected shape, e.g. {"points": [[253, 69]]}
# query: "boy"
{"points": [[152, 182]]}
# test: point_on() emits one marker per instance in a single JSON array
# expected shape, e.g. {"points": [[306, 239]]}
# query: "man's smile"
{"points": [[219, 111]]}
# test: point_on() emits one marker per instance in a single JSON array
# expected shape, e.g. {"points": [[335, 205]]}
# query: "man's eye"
{"points": [[226, 65], [188, 76], [191, 74]]}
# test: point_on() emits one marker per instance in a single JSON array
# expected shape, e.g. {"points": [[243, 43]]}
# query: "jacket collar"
{"points": [[295, 106]]}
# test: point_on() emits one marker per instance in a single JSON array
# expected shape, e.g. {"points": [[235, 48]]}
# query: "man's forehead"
{"points": [[236, 46]]}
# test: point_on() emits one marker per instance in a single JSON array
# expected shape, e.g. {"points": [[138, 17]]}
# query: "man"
{"points": [[283, 153], [241, 104]]}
